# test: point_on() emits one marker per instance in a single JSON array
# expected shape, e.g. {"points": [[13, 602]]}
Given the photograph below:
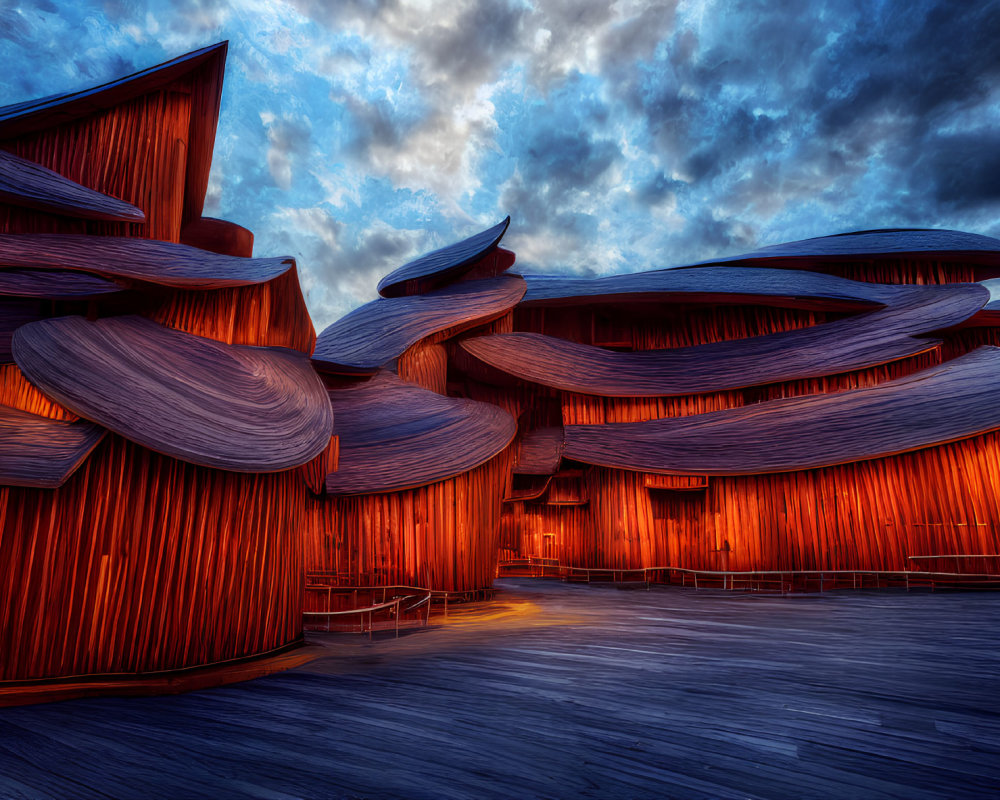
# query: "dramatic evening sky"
{"points": [[357, 134]]}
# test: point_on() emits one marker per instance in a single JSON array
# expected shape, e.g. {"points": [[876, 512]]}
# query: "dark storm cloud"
{"points": [[565, 161], [772, 104], [658, 189], [379, 252], [962, 170], [463, 46], [912, 62]]}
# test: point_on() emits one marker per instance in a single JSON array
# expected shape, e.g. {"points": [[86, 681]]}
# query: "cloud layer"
{"points": [[356, 135]]}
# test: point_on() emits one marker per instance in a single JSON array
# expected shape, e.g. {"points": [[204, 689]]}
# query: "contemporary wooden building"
{"points": [[821, 409], [186, 470], [417, 495], [160, 416]]}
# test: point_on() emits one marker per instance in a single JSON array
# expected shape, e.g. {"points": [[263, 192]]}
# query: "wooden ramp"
{"points": [[558, 690]]}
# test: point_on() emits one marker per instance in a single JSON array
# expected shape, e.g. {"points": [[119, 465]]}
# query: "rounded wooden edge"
{"points": [[177, 681], [406, 280]]}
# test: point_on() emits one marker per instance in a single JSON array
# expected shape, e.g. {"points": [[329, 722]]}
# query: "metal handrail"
{"points": [[729, 575], [959, 555]]}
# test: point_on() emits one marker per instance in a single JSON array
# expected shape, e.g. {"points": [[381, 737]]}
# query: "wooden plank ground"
{"points": [[558, 690]]}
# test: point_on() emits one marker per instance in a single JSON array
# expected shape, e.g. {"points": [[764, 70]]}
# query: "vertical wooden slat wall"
{"points": [[444, 536], [869, 515], [136, 151], [271, 314], [141, 562]]}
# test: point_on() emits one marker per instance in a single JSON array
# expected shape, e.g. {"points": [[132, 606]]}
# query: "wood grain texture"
{"points": [[41, 452], [17, 392], [25, 183], [849, 344], [758, 285], [218, 236], [866, 245], [943, 404], [271, 314], [55, 284], [246, 409], [374, 334], [867, 515], [163, 263], [539, 452], [442, 536], [199, 72], [141, 562], [559, 691], [396, 435], [527, 487], [440, 266]]}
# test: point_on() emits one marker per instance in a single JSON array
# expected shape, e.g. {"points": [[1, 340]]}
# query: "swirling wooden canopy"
{"points": [[953, 401], [715, 285], [374, 334], [444, 265], [245, 409], [54, 284], [875, 244], [40, 452], [396, 435], [163, 263], [27, 184], [856, 342]]}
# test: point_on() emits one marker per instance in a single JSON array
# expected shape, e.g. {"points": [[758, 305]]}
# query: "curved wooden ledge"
{"points": [[25, 183], [441, 265], [865, 245], [40, 452], [244, 409], [374, 334], [55, 284], [178, 681], [528, 487], [396, 435], [163, 263], [953, 401], [857, 342], [715, 285]]}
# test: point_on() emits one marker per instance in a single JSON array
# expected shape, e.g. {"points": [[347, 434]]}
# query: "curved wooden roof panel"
{"points": [[370, 336], [244, 409], [953, 401], [54, 284], [40, 452], [202, 72], [25, 183], [856, 342], [762, 286], [396, 435], [45, 112], [865, 245], [440, 265], [163, 263]]}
